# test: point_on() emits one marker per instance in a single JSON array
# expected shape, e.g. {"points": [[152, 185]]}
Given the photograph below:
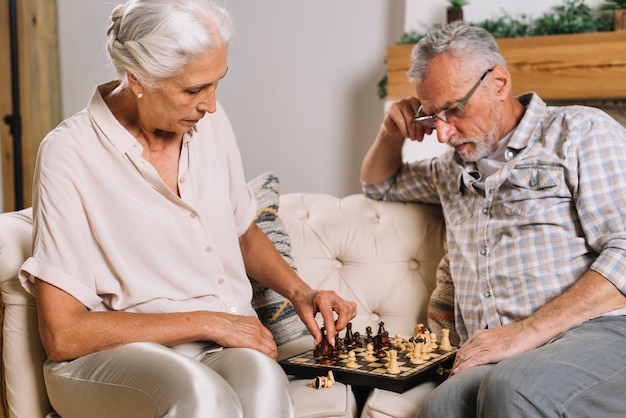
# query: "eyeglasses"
{"points": [[428, 121]]}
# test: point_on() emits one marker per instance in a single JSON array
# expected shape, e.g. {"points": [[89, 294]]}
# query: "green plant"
{"points": [[573, 16], [613, 5], [458, 3]]}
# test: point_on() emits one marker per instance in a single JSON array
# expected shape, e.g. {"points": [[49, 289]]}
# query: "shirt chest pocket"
{"points": [[534, 189]]}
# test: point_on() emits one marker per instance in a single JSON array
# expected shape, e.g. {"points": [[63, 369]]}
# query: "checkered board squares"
{"points": [[371, 374]]}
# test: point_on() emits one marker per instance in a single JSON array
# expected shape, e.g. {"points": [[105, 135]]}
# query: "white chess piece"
{"points": [[352, 364], [393, 362], [416, 358], [433, 341], [445, 340], [370, 353]]}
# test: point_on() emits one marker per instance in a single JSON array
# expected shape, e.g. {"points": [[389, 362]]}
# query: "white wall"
{"points": [[301, 86], [301, 89]]}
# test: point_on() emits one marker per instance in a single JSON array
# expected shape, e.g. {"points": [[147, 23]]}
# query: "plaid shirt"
{"points": [[556, 209]]}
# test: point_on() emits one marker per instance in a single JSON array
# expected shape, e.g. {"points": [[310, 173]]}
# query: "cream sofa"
{"points": [[381, 255]]}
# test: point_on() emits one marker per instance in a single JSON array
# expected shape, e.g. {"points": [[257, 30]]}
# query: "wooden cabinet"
{"points": [[557, 67]]}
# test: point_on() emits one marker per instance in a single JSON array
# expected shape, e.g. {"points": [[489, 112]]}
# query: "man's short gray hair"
{"points": [[472, 44]]}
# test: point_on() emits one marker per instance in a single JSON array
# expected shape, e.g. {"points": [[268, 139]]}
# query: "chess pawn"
{"points": [[393, 362], [370, 353], [445, 340], [352, 364], [433, 341], [397, 342], [407, 346]]}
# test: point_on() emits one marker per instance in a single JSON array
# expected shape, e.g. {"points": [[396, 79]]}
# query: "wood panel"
{"points": [[557, 67], [39, 88]]}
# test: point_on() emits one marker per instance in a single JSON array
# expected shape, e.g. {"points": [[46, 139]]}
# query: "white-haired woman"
{"points": [[144, 237]]}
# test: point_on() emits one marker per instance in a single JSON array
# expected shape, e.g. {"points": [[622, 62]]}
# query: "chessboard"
{"points": [[370, 367]]}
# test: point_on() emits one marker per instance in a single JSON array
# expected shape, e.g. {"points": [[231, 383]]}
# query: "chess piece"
{"points": [[416, 357], [352, 364], [433, 341], [418, 330], [426, 350], [393, 362], [324, 348], [369, 353], [397, 341], [445, 340], [323, 382], [349, 336]]}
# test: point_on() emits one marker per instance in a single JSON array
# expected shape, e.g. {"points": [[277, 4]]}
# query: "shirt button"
{"points": [[220, 280], [233, 310], [487, 294], [483, 251], [509, 154], [485, 211]]}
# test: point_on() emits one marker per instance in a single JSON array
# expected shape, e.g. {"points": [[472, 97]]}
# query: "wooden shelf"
{"points": [[557, 67]]}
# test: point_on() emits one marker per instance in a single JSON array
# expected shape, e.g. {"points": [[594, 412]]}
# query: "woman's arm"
{"points": [[266, 265], [69, 330]]}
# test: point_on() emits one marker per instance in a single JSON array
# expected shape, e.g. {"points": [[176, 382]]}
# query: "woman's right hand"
{"points": [[230, 330]]}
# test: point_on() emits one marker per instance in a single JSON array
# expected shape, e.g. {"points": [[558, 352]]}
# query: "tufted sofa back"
{"points": [[382, 255]]}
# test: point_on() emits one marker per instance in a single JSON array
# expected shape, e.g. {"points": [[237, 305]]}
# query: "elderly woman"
{"points": [[144, 236]]}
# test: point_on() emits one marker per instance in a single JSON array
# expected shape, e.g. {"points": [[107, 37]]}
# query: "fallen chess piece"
{"points": [[323, 381]]}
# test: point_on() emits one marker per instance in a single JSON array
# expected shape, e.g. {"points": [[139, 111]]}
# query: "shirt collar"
{"points": [[119, 137]]}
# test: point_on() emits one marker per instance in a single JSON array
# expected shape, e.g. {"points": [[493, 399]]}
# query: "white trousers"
{"points": [[149, 380]]}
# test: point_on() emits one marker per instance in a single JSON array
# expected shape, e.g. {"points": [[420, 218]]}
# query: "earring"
{"points": [[139, 95]]}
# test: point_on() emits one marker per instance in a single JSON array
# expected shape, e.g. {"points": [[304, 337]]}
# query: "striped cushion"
{"points": [[276, 312]]}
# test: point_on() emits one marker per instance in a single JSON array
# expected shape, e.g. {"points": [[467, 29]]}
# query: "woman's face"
{"points": [[181, 101]]}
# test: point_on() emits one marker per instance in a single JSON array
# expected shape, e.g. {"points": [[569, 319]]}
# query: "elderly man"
{"points": [[534, 199]]}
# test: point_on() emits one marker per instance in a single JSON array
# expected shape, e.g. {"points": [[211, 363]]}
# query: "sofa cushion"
{"points": [[274, 311], [336, 401], [386, 404], [24, 387], [15, 241]]}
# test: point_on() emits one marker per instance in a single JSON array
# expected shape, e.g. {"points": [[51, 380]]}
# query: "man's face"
{"points": [[473, 131]]}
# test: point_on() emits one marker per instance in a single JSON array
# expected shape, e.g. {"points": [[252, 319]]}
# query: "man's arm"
{"points": [[592, 295], [266, 265], [384, 157]]}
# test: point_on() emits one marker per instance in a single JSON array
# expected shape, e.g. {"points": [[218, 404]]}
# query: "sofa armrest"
{"points": [[22, 353]]}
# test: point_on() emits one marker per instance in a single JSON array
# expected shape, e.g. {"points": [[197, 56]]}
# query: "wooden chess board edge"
{"points": [[397, 384]]}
